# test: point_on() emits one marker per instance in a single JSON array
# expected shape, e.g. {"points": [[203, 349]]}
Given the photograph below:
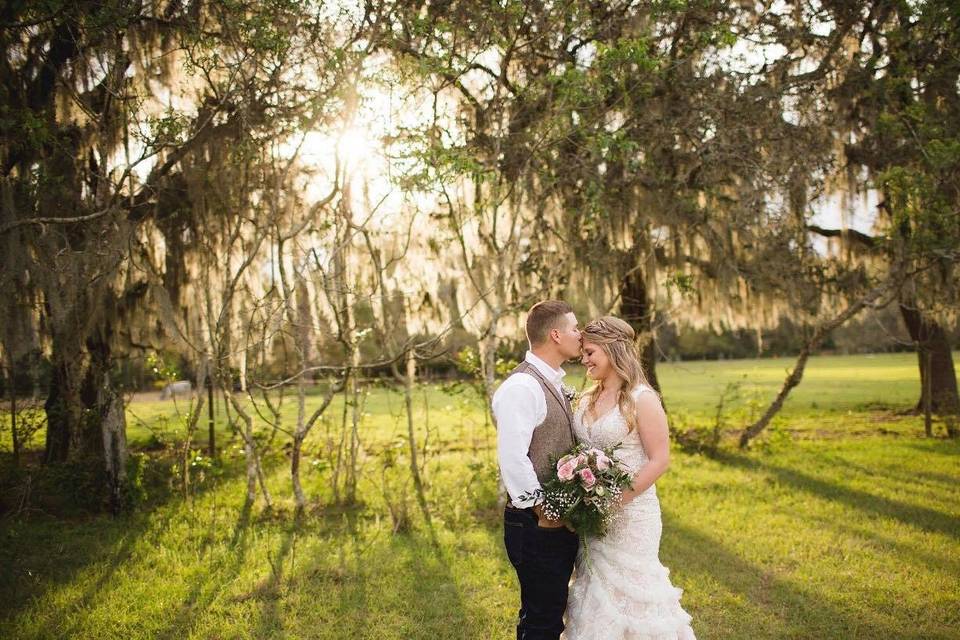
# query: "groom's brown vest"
{"points": [[554, 436]]}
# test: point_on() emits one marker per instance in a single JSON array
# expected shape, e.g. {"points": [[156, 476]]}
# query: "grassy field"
{"points": [[843, 522], [840, 396]]}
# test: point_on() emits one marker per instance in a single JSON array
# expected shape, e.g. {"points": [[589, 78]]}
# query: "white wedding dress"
{"points": [[620, 590]]}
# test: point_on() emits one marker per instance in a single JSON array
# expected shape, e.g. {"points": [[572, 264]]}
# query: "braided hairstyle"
{"points": [[617, 339]]}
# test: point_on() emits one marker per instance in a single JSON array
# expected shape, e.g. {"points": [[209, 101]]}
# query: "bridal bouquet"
{"points": [[585, 492]]}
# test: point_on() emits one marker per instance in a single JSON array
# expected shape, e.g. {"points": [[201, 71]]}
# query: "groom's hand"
{"points": [[543, 521]]}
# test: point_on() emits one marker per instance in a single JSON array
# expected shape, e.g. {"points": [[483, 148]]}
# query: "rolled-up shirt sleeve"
{"points": [[517, 411]]}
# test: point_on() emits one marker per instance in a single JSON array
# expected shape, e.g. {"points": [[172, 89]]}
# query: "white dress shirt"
{"points": [[519, 407]]}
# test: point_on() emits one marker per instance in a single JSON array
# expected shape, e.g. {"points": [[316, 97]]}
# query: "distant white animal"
{"points": [[174, 389]]}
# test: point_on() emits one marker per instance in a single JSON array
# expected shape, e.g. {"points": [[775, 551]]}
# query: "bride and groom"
{"points": [[620, 589]]}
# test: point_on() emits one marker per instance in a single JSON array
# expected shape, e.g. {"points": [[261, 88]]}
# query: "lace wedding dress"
{"points": [[620, 590]]}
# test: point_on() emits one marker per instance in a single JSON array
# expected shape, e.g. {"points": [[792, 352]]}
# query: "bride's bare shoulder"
{"points": [[646, 397], [643, 389]]}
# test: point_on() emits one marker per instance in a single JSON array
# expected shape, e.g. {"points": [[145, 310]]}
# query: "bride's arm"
{"points": [[655, 436]]}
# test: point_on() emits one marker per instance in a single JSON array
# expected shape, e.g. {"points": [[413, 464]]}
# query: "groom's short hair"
{"points": [[543, 317]]}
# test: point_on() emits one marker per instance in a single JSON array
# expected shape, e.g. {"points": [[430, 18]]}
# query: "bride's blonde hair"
{"points": [[617, 339]]}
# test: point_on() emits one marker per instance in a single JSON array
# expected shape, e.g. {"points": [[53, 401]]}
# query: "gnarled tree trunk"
{"points": [[67, 438], [637, 309], [85, 413], [938, 378]]}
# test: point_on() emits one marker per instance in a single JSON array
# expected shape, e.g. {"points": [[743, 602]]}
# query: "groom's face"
{"points": [[568, 336]]}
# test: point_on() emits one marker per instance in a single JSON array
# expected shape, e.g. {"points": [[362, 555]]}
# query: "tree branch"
{"points": [[845, 234], [44, 221]]}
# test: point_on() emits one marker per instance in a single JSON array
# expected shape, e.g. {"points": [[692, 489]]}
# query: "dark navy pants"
{"points": [[543, 559]]}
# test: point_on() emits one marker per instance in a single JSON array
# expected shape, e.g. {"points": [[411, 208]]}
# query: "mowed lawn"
{"points": [[844, 522]]}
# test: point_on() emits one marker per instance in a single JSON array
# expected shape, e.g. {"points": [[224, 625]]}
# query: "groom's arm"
{"points": [[518, 407]]}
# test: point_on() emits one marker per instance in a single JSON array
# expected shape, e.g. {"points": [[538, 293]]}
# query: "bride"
{"points": [[620, 589]]}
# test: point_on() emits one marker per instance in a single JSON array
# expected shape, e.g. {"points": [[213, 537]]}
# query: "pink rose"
{"points": [[587, 478], [564, 460], [582, 459], [603, 462], [566, 470]]}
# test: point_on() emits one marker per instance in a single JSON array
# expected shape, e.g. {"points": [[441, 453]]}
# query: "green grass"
{"points": [[843, 523], [830, 383], [840, 395]]}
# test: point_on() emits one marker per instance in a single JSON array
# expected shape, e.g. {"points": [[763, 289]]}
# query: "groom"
{"points": [[534, 424]]}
